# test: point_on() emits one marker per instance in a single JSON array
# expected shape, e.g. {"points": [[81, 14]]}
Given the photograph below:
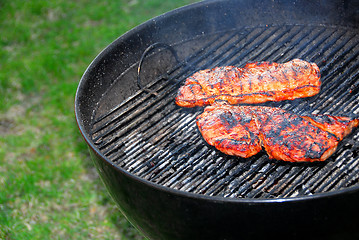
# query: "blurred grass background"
{"points": [[49, 188]]}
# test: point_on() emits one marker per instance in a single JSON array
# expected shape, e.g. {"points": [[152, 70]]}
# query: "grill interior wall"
{"points": [[148, 135]]}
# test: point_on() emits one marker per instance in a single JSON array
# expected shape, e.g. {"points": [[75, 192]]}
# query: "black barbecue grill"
{"points": [[150, 154]]}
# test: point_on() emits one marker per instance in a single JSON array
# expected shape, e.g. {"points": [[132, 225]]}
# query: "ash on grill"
{"points": [[149, 136]]}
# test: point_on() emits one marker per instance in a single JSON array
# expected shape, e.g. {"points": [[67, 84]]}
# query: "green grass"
{"points": [[49, 188]]}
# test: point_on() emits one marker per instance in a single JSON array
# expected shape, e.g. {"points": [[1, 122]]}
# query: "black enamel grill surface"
{"points": [[148, 135]]}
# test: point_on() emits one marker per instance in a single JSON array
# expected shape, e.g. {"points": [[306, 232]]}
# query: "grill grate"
{"points": [[151, 137]]}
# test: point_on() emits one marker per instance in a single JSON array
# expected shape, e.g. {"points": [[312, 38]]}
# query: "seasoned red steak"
{"points": [[254, 83], [230, 131], [243, 131]]}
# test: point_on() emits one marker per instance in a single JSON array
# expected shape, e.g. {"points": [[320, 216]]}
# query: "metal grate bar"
{"points": [[271, 33], [154, 139], [221, 44], [164, 104], [282, 45], [137, 99], [285, 169], [146, 99]]}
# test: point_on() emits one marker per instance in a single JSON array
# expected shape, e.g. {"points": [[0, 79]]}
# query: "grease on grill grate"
{"points": [[151, 137]]}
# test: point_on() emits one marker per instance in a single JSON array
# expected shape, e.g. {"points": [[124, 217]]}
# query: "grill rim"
{"points": [[163, 213], [87, 134]]}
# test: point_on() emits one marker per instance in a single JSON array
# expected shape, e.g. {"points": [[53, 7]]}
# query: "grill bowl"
{"points": [[165, 212]]}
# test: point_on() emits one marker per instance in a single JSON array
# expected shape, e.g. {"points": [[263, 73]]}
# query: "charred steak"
{"points": [[243, 131], [254, 83]]}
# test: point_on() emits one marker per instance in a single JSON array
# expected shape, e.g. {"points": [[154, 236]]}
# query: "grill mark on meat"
{"points": [[192, 91], [268, 94], [315, 151], [250, 83], [294, 70], [228, 120], [285, 78], [240, 82]]}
